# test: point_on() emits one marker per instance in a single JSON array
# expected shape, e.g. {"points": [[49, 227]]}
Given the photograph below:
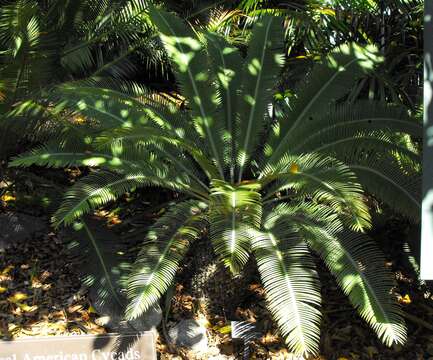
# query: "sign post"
{"points": [[81, 347]]}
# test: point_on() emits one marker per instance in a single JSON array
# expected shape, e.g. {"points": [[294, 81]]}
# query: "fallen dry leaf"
{"points": [[404, 299], [17, 297]]}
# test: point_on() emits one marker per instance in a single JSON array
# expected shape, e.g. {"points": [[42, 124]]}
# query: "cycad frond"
{"points": [[165, 246], [124, 106], [375, 128], [291, 283], [227, 65], [325, 179], [28, 121], [329, 81], [367, 142], [56, 155], [384, 178], [167, 143], [358, 266], [259, 75], [102, 187], [105, 266], [234, 212], [351, 120], [191, 60], [28, 53], [111, 108], [123, 26]]}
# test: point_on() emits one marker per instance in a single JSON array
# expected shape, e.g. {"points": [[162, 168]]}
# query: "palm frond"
{"points": [[125, 118], [358, 266], [291, 283], [259, 74], [111, 108], [324, 179], [28, 53], [167, 143], [60, 155], [328, 82], [191, 63], [385, 179], [105, 264], [227, 65], [102, 187], [164, 247], [351, 120], [367, 143]]}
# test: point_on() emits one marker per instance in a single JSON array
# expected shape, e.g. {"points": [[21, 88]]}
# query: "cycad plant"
{"points": [[46, 43], [276, 184]]}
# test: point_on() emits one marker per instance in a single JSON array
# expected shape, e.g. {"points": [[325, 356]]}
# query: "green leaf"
{"points": [[234, 212], [164, 247], [227, 67], [328, 82], [325, 180], [191, 65], [291, 283], [355, 261], [259, 75], [171, 145], [102, 187], [105, 264], [359, 268], [358, 265], [383, 178], [111, 108], [352, 121], [58, 156]]}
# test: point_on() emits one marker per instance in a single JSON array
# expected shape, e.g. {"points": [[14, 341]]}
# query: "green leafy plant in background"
{"points": [[46, 43], [315, 27], [275, 184]]}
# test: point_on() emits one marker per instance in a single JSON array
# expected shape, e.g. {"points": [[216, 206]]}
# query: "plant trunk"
{"points": [[212, 284]]}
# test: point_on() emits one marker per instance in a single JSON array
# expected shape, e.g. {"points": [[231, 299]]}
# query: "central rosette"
{"points": [[235, 219]]}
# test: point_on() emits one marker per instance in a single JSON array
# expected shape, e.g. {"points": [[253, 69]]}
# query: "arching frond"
{"points": [[164, 247], [325, 180], [165, 142], [110, 107], [353, 120], [328, 82], [227, 65], [357, 264], [105, 266], [373, 142], [291, 283], [56, 155], [385, 179], [102, 187]]}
